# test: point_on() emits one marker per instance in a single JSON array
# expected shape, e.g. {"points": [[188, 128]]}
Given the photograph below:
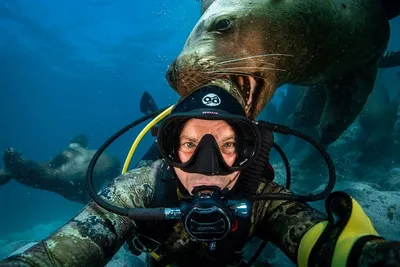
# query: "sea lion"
{"points": [[256, 46], [147, 104], [305, 117], [65, 174]]}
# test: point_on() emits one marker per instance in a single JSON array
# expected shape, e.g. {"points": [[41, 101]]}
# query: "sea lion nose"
{"points": [[171, 74], [9, 155]]}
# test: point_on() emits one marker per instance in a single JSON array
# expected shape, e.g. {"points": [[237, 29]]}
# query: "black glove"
{"points": [[380, 253]]}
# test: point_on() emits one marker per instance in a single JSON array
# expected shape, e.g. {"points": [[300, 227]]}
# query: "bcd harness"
{"points": [[150, 236]]}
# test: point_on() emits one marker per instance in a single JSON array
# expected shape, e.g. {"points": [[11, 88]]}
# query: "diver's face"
{"points": [[190, 137]]}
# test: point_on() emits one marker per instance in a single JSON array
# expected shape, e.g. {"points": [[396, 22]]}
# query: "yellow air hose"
{"points": [[138, 139]]}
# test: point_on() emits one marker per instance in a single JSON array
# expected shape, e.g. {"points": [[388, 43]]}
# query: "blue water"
{"points": [[80, 66]]}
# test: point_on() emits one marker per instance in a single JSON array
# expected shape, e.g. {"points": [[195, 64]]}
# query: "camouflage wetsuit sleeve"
{"points": [[283, 222], [93, 236]]}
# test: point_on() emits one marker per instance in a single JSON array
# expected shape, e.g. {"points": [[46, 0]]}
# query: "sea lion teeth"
{"points": [[248, 107], [253, 85], [240, 81]]}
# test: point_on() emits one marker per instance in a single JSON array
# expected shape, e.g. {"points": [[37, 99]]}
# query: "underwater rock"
{"points": [[354, 162], [378, 127], [382, 207], [118, 262], [271, 255], [126, 259], [393, 181], [396, 136]]}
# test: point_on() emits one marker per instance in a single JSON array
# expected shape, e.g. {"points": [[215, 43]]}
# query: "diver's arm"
{"points": [[308, 238], [347, 238], [379, 252], [284, 222], [94, 235]]}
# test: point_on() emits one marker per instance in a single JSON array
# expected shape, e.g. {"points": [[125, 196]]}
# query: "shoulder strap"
{"points": [[166, 188]]}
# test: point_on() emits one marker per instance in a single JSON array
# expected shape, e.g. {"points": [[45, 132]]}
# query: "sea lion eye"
{"points": [[222, 25]]}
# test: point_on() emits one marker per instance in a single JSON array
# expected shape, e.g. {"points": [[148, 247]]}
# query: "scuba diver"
{"points": [[210, 191]]}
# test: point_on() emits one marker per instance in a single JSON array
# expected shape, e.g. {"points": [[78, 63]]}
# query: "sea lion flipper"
{"points": [[391, 59], [5, 176], [289, 102], [345, 101], [22, 168], [308, 111], [147, 104]]}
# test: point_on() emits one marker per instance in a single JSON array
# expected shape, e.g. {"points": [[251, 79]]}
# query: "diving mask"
{"points": [[207, 154], [209, 103]]}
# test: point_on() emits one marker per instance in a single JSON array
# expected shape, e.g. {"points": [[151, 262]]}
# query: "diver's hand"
{"points": [[380, 253]]}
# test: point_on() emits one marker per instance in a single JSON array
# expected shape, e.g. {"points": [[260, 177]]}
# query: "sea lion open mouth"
{"points": [[252, 89], [249, 88]]}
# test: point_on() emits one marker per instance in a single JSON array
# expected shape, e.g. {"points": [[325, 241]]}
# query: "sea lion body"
{"points": [[65, 174], [260, 45]]}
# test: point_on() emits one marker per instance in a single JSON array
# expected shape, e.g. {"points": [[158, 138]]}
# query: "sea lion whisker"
{"points": [[211, 76], [186, 84], [256, 61], [255, 68], [251, 57], [235, 73], [197, 84]]}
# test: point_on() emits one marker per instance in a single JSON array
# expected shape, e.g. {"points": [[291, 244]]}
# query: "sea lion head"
{"points": [[229, 42], [13, 159], [21, 168]]}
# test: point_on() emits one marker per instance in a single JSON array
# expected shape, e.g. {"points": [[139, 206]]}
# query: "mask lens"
{"points": [[242, 148], [168, 139]]}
